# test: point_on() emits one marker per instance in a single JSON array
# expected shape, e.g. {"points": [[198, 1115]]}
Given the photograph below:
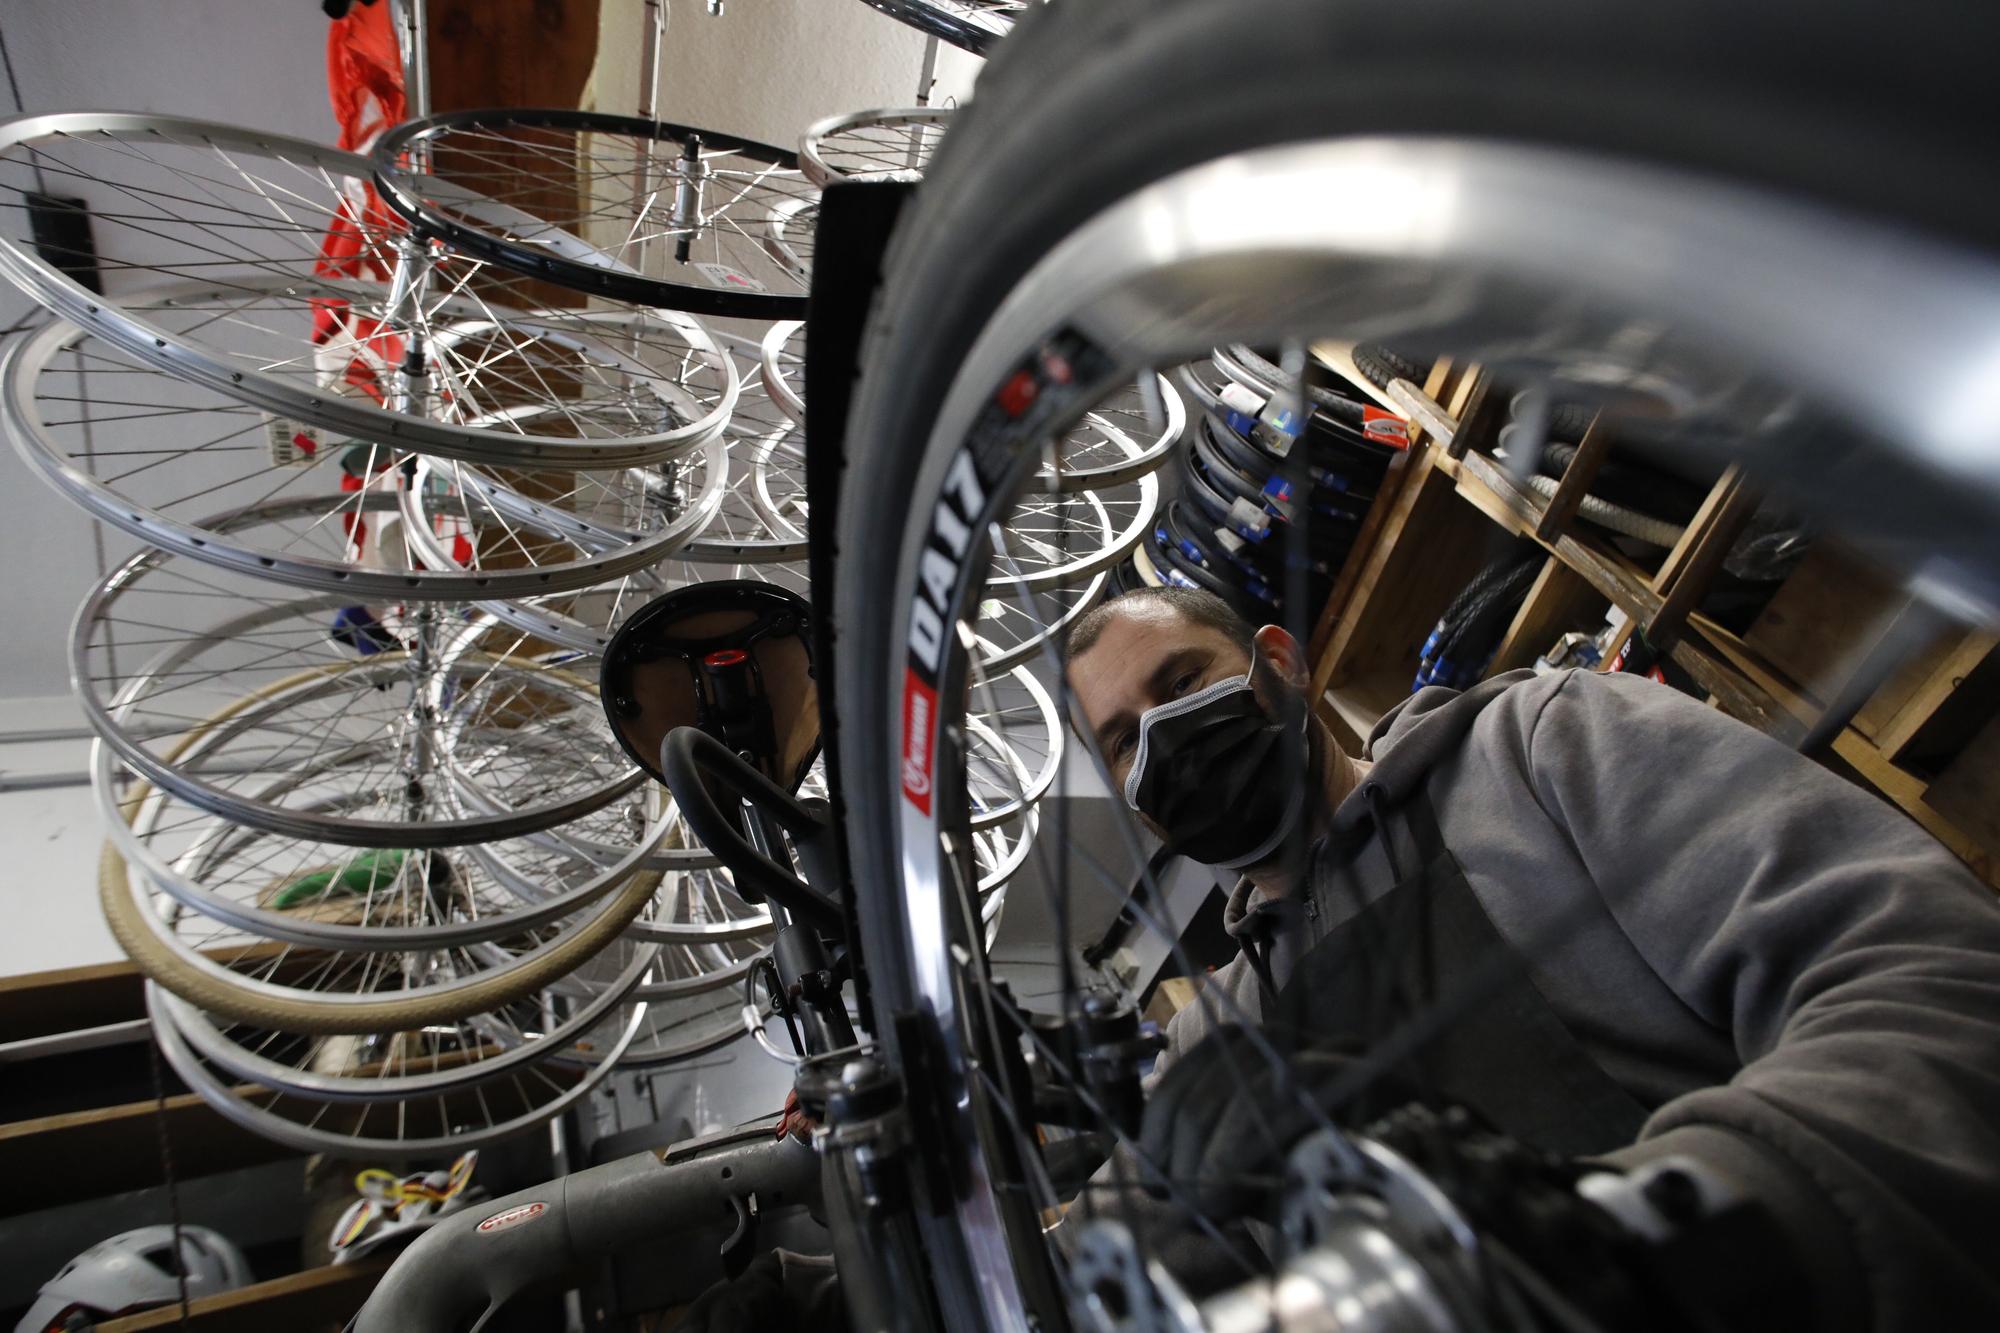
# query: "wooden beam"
{"points": [[1387, 516], [1494, 493], [1478, 407], [1427, 549], [1619, 638], [1741, 696], [1711, 548], [109, 1150], [1698, 527], [1575, 483], [319, 1300], [1914, 798], [1935, 689]]}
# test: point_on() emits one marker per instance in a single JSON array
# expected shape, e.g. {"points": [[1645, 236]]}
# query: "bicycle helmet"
{"points": [[134, 1271]]}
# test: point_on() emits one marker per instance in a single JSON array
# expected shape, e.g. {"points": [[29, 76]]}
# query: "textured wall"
{"points": [[766, 69]]}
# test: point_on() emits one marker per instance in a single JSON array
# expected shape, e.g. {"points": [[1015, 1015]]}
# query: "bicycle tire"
{"points": [[1382, 367], [542, 250], [1166, 555], [1252, 461], [825, 159], [1641, 527], [1241, 570], [284, 379], [1610, 82], [203, 990], [1242, 363]]}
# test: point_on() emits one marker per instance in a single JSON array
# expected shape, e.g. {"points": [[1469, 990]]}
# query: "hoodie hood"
{"points": [[1411, 739]]}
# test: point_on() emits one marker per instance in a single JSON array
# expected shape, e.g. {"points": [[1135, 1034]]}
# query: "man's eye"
{"points": [[1183, 683], [1122, 746]]}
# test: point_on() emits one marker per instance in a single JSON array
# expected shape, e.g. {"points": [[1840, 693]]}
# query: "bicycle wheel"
{"points": [[762, 518], [313, 893], [313, 990], [1073, 285], [439, 1060], [420, 1121], [970, 25], [873, 145], [645, 211], [329, 312], [196, 472], [1126, 437], [783, 357], [389, 725], [584, 621]]}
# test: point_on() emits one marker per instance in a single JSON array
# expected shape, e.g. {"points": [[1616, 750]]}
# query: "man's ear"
{"points": [[1277, 649], [1278, 675]]}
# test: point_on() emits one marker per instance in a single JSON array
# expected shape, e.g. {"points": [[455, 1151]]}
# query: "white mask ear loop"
{"points": [[1292, 704]]}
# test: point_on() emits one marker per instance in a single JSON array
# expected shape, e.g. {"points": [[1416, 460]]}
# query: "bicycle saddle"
{"points": [[731, 659]]}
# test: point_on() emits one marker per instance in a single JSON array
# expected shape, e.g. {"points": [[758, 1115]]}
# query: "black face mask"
{"points": [[1212, 772]]}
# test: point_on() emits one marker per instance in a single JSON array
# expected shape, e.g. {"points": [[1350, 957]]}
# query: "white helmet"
{"points": [[134, 1271]]}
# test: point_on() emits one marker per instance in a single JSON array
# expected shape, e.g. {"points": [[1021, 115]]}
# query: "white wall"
{"points": [[765, 69], [258, 62]]}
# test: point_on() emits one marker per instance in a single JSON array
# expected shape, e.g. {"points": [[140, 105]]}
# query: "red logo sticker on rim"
{"points": [[919, 704], [508, 1217]]}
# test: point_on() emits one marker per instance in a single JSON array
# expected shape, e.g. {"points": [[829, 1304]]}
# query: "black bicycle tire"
{"points": [[1328, 399], [1205, 553], [1224, 473], [1649, 85], [1264, 561], [1195, 487], [1382, 366], [1338, 443], [1633, 484], [1246, 604], [568, 272], [1327, 545], [1250, 460]]}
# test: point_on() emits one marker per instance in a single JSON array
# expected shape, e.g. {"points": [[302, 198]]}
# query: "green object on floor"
{"points": [[370, 870]]}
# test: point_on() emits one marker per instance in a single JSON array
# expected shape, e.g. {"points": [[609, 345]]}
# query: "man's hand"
{"points": [[767, 1297], [1223, 1117]]}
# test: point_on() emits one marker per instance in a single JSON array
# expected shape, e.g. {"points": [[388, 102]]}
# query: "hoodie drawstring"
{"points": [[1254, 934]]}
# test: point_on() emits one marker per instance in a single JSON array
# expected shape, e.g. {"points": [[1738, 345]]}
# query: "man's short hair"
{"points": [[1197, 606]]}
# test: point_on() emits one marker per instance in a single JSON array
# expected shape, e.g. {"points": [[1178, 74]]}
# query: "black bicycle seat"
{"points": [[731, 659]]}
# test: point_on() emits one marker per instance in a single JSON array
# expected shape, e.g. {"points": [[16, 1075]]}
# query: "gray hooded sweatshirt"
{"points": [[1799, 985]]}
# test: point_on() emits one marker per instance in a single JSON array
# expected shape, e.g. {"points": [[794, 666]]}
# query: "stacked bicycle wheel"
{"points": [[407, 440]]}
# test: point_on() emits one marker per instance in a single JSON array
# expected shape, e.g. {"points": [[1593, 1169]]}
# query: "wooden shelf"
{"points": [[1357, 705], [1945, 691], [318, 1300]]}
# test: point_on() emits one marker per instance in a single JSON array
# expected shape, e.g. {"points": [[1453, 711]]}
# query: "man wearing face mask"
{"points": [[1650, 931]]}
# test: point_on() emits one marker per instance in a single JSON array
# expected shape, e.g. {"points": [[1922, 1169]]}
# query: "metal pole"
{"points": [[413, 41], [928, 74], [643, 187]]}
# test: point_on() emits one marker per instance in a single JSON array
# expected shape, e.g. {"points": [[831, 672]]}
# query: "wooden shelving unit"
{"points": [[1926, 738]]}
